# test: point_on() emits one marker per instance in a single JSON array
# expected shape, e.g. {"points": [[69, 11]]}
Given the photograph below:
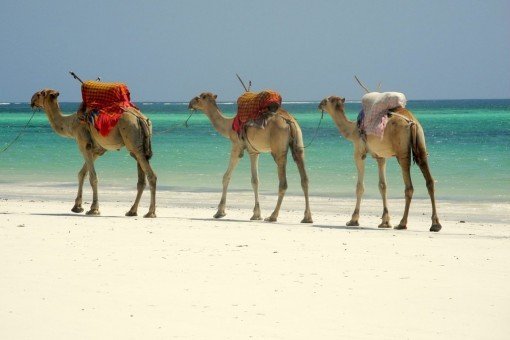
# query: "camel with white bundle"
{"points": [[394, 133]]}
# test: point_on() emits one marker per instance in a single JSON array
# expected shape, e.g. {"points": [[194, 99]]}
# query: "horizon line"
{"points": [[6, 102]]}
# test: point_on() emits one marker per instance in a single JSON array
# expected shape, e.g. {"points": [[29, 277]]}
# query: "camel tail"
{"points": [[418, 146], [146, 126], [297, 145]]}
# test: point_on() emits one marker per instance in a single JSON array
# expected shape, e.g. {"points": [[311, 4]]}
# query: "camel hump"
{"points": [[404, 112], [286, 115]]}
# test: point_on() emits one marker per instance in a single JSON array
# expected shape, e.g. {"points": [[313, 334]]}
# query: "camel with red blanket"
{"points": [[130, 129], [280, 130]]}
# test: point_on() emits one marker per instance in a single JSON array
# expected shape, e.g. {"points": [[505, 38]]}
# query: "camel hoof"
{"points": [[352, 223], [400, 227], [219, 215], [93, 212], [270, 219], [307, 220], [150, 215], [256, 218], [77, 210], [436, 227], [384, 225], [131, 213]]}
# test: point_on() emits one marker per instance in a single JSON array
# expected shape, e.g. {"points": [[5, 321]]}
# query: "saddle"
{"points": [[103, 104], [254, 108]]}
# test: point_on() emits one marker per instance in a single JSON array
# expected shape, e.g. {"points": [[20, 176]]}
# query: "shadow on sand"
{"points": [[343, 227]]}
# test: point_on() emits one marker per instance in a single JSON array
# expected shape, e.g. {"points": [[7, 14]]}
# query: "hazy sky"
{"points": [[173, 50]]}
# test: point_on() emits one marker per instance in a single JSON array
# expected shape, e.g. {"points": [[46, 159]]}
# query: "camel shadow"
{"points": [[211, 219], [74, 215], [344, 227]]}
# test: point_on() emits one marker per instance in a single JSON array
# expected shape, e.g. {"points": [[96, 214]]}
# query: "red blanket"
{"points": [[251, 105], [106, 102]]}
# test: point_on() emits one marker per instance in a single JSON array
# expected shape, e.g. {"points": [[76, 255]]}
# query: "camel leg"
{"points": [[254, 160], [405, 165], [235, 156], [140, 186], [146, 168], [94, 207], [424, 167], [281, 161], [78, 201], [360, 188], [381, 163], [300, 162]]}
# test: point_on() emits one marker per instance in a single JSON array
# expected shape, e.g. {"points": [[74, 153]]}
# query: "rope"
{"points": [[409, 121], [175, 127], [316, 131], [19, 134]]}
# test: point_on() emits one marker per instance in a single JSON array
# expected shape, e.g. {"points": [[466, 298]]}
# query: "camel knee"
{"points": [[304, 182], [93, 178], [152, 178], [254, 181], [430, 184], [409, 191], [141, 185], [82, 173], [283, 185], [382, 186], [360, 188]]}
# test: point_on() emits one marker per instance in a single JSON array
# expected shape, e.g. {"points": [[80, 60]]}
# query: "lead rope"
{"points": [[316, 131], [19, 134], [175, 127]]}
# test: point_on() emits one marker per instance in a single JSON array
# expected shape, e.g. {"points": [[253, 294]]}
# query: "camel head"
{"points": [[42, 97], [201, 102], [331, 104]]}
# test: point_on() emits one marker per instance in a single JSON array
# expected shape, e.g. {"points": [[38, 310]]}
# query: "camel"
{"points": [[280, 133], [131, 131], [402, 138]]}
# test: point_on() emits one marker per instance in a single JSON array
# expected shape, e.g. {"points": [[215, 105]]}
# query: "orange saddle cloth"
{"points": [[105, 103], [251, 106]]}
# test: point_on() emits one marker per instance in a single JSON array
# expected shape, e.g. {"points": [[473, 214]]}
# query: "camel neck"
{"points": [[347, 128], [220, 123], [61, 124]]}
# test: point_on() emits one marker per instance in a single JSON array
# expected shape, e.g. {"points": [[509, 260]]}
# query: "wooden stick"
{"points": [[242, 82], [361, 84], [75, 76]]}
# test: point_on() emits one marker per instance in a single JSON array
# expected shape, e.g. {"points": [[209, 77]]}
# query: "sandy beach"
{"points": [[187, 275]]}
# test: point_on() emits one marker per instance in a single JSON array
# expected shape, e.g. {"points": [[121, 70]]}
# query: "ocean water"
{"points": [[468, 143]]}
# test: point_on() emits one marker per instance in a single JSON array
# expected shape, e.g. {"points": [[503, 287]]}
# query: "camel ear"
{"points": [[215, 96], [43, 93]]}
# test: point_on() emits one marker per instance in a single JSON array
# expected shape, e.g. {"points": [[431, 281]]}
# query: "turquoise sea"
{"points": [[468, 143]]}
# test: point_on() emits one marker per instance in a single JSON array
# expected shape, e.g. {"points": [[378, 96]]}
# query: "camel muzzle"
{"points": [[322, 105], [32, 101], [191, 103]]}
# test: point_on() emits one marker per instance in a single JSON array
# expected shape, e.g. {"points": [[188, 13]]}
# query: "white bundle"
{"points": [[375, 107]]}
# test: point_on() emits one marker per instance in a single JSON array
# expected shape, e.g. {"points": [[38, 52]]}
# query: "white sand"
{"points": [[186, 275]]}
